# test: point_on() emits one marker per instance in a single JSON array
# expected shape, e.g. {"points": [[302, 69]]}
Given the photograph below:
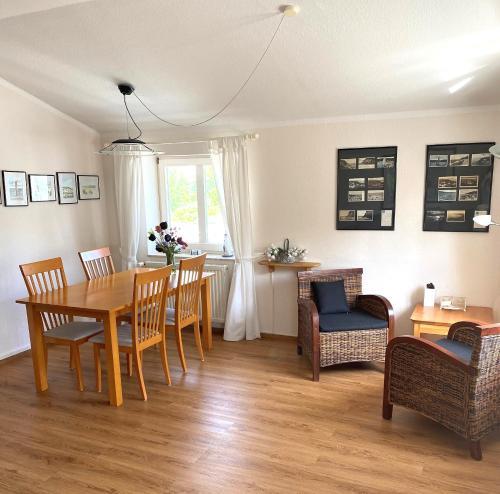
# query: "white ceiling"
{"points": [[188, 57]]}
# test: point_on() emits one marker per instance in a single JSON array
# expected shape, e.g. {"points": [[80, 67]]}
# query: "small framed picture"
{"points": [[88, 187], [15, 188], [42, 188], [66, 187]]}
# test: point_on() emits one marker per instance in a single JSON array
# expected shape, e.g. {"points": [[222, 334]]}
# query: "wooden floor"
{"points": [[247, 420]]}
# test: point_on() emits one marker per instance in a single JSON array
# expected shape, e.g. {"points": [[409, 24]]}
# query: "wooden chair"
{"points": [[147, 328], [97, 263], [187, 297], [454, 381], [59, 329], [329, 339]]}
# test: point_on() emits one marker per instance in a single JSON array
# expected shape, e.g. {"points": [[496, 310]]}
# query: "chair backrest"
{"points": [[149, 303], [97, 263], [352, 282], [45, 276], [188, 289]]}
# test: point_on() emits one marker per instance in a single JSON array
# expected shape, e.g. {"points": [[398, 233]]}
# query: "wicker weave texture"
{"points": [[484, 399], [352, 282], [352, 346], [422, 381]]}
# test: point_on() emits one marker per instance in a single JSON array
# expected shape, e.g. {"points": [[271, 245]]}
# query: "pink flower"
{"points": [[158, 228]]}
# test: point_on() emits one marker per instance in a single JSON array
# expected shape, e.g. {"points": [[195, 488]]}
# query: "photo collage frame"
{"points": [[457, 186], [366, 188]]}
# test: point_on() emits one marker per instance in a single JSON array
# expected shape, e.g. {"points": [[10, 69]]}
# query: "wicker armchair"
{"points": [[341, 346], [455, 381]]}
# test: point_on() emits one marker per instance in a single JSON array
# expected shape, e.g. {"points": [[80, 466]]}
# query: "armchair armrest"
{"points": [[425, 346], [378, 306]]}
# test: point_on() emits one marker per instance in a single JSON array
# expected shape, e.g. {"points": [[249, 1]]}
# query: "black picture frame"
{"points": [[62, 195], [32, 196], [7, 197], [366, 188], [458, 181], [82, 194]]}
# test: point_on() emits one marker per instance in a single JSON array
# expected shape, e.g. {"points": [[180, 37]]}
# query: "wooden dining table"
{"points": [[105, 299]]}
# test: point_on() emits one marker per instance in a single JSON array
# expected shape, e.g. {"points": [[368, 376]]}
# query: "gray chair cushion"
{"points": [[124, 336], [351, 321], [461, 350], [74, 331]]}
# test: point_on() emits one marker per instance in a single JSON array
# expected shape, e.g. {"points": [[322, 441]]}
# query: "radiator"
{"points": [[219, 289]]}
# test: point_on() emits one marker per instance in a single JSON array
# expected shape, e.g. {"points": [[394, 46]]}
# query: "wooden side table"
{"points": [[433, 320]]}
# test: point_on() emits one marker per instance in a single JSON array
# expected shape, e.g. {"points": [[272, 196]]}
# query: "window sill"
{"points": [[212, 256]]}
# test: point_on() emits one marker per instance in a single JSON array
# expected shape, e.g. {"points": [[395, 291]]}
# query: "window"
{"points": [[190, 201]]}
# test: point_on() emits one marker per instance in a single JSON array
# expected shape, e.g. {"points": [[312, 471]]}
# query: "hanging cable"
{"points": [[231, 99], [131, 118]]}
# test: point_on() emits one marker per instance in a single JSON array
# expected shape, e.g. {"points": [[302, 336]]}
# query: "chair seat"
{"points": [[124, 336], [351, 321], [74, 330], [461, 350]]}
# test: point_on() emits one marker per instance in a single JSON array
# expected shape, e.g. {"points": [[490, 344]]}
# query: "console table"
{"points": [[433, 320]]}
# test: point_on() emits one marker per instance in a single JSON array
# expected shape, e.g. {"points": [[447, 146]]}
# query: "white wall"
{"points": [[293, 189], [38, 139]]}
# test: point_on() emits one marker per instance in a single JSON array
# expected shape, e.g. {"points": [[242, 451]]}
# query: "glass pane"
{"points": [[183, 203], [215, 225]]}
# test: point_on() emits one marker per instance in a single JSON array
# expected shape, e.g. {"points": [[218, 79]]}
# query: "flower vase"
{"points": [[170, 259]]}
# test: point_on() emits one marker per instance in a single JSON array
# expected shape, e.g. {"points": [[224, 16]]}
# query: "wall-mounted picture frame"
{"points": [[88, 187], [458, 184], [15, 188], [366, 188], [67, 188], [42, 188]]}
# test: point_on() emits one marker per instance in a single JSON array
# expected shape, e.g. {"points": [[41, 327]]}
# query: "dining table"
{"points": [[104, 299]]}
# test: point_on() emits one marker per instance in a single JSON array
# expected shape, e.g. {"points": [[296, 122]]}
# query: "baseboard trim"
{"points": [[273, 336], [18, 352]]}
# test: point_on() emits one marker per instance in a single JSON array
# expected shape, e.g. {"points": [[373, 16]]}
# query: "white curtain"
{"points": [[128, 187], [231, 171]]}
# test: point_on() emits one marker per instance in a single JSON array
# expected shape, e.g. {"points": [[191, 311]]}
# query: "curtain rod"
{"points": [[251, 137]]}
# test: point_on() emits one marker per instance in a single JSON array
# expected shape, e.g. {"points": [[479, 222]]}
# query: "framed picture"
{"points": [[366, 188], [457, 186], [66, 187], [88, 187], [42, 188], [15, 188]]}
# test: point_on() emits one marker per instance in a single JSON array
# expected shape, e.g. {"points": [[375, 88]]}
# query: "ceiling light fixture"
{"points": [[130, 146], [133, 146]]}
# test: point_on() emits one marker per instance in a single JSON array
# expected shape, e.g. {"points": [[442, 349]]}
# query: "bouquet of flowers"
{"points": [[285, 254], [167, 240]]}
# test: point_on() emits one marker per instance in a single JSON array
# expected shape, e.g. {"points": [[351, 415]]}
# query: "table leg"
{"points": [[113, 360], [416, 329], [35, 326], [206, 313]]}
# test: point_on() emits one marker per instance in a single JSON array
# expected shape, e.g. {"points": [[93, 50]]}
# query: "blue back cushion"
{"points": [[330, 297]]}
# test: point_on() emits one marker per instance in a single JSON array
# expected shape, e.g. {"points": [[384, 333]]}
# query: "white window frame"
{"points": [[200, 163]]}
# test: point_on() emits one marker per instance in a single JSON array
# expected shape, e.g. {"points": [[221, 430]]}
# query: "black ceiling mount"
{"points": [[126, 89]]}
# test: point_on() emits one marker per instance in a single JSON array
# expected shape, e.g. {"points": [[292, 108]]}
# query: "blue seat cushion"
{"points": [[350, 321], [330, 296], [461, 350]]}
